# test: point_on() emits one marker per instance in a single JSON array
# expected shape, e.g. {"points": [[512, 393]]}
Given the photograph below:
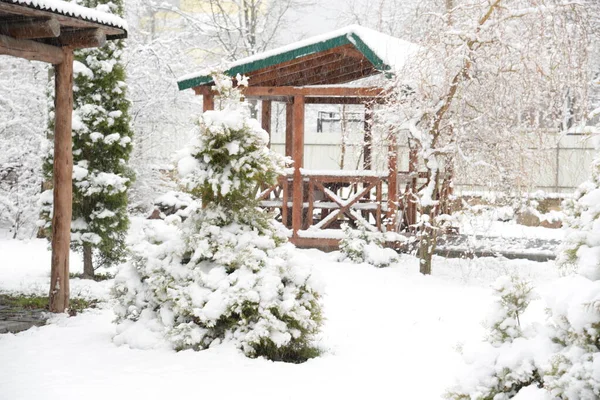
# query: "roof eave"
{"points": [[350, 38]]}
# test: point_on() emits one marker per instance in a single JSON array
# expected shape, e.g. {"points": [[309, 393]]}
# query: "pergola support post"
{"points": [[208, 102], [298, 156], [289, 128], [392, 183], [265, 118], [63, 189]]}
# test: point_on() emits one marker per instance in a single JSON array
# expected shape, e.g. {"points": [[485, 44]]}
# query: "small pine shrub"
{"points": [[507, 364], [361, 246], [219, 270], [513, 296]]}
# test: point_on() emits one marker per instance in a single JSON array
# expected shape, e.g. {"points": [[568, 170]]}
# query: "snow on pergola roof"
{"points": [[71, 16], [340, 56]]}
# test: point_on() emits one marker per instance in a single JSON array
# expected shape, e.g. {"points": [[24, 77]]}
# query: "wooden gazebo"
{"points": [[319, 70], [49, 31]]}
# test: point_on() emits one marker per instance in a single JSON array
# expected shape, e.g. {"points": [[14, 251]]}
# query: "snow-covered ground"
{"points": [[488, 225], [389, 333]]}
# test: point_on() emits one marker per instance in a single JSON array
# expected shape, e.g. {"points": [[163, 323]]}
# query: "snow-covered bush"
{"points": [[362, 246], [513, 296], [507, 362], [171, 202], [575, 306], [580, 250], [219, 270], [559, 359]]}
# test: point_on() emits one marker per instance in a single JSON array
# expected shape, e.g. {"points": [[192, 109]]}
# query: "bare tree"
{"points": [[492, 76]]}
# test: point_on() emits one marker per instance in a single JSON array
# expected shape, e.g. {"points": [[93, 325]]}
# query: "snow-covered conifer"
{"points": [[513, 295], [574, 309], [362, 246], [580, 250], [219, 271], [509, 360], [559, 359], [101, 149]]}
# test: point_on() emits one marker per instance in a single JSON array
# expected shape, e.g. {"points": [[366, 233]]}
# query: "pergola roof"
{"points": [[57, 22], [341, 56]]}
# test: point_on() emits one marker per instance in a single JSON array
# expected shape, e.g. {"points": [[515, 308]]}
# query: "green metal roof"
{"points": [[288, 53]]}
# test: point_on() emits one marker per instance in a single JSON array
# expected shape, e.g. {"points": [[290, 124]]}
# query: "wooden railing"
{"points": [[330, 198]]}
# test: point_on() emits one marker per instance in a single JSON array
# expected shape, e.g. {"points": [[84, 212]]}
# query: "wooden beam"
{"points": [[19, 10], [208, 102], [259, 91], [289, 129], [345, 77], [305, 70], [30, 50], [344, 100], [318, 243], [63, 190], [301, 62], [265, 118], [281, 99], [315, 91], [83, 38], [298, 156], [32, 29], [311, 74], [286, 70]]}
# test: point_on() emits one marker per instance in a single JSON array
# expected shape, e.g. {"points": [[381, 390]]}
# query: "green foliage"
{"points": [[101, 150], [362, 246], [231, 161], [220, 270], [31, 302], [513, 296]]}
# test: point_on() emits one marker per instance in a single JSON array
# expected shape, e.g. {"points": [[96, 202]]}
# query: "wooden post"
{"points": [[208, 102], [265, 118], [63, 190], [411, 203], [298, 155], [289, 128], [284, 201], [311, 204], [392, 183], [368, 139]]}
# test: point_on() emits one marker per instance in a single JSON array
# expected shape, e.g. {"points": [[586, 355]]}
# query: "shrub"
{"points": [[361, 246], [219, 271]]}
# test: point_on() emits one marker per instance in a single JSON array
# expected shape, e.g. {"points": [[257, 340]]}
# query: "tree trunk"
{"points": [[88, 266], [426, 249]]}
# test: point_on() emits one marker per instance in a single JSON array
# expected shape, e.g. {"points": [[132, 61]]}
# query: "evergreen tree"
{"points": [[219, 271], [101, 149]]}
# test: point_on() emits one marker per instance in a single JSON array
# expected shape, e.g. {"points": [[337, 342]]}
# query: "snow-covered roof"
{"points": [[73, 10], [384, 52]]}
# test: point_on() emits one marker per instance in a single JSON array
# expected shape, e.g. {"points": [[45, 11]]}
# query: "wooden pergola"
{"points": [[318, 71], [49, 31]]}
